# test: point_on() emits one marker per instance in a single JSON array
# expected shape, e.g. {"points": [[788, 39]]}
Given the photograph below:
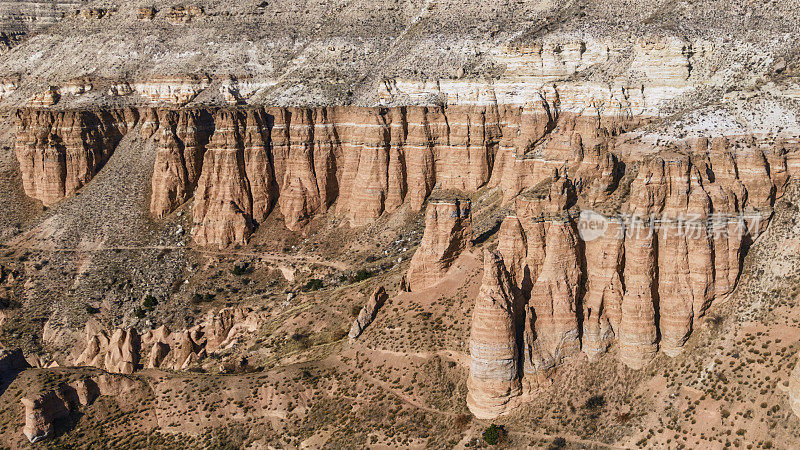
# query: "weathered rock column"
{"points": [[494, 375]]}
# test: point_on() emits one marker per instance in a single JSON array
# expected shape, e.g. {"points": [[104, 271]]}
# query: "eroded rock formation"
{"points": [[448, 232], [60, 151], [40, 413], [494, 371], [367, 313], [641, 273], [125, 351], [794, 389], [45, 409]]}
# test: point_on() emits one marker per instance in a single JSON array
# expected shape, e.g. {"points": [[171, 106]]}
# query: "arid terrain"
{"points": [[399, 224]]}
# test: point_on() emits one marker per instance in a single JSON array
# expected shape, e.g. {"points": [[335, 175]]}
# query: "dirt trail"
{"points": [[272, 257], [404, 397]]}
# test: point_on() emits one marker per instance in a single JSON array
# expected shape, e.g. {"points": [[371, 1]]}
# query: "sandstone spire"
{"points": [[494, 375], [368, 312], [603, 300]]}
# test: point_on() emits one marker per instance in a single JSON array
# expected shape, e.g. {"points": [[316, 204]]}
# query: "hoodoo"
{"points": [[494, 370]]}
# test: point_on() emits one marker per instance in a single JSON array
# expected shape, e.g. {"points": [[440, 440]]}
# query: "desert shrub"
{"points": [[493, 434], [462, 420], [91, 309], [314, 284], [558, 443], [362, 275], [150, 302], [7, 303], [242, 269], [202, 298], [139, 313], [595, 402]]}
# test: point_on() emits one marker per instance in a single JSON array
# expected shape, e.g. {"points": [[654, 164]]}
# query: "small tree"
{"points": [[362, 275], [595, 402], [150, 302], [314, 284], [494, 434]]}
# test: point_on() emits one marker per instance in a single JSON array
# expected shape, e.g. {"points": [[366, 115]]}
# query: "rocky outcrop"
{"points": [[177, 90], [60, 151], [40, 413], [118, 353], [47, 98], [367, 313], [494, 372], [44, 410], [448, 232], [122, 355], [146, 13], [126, 351], [184, 14], [794, 389]]}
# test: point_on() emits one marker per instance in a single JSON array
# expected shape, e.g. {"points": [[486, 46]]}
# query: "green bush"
{"points": [[139, 313], [595, 402], [558, 443], [362, 275], [150, 302], [494, 434], [91, 309], [314, 284]]}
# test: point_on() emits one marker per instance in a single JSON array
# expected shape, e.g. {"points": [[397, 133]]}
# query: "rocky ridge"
{"points": [[125, 351]]}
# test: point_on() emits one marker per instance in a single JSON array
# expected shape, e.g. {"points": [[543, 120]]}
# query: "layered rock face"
{"points": [[368, 312], [125, 351], [182, 139], [239, 163], [60, 151], [595, 268], [448, 232], [494, 372]]}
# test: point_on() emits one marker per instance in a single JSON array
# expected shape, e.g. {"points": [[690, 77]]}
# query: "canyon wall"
{"points": [[594, 268], [240, 164], [61, 151]]}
